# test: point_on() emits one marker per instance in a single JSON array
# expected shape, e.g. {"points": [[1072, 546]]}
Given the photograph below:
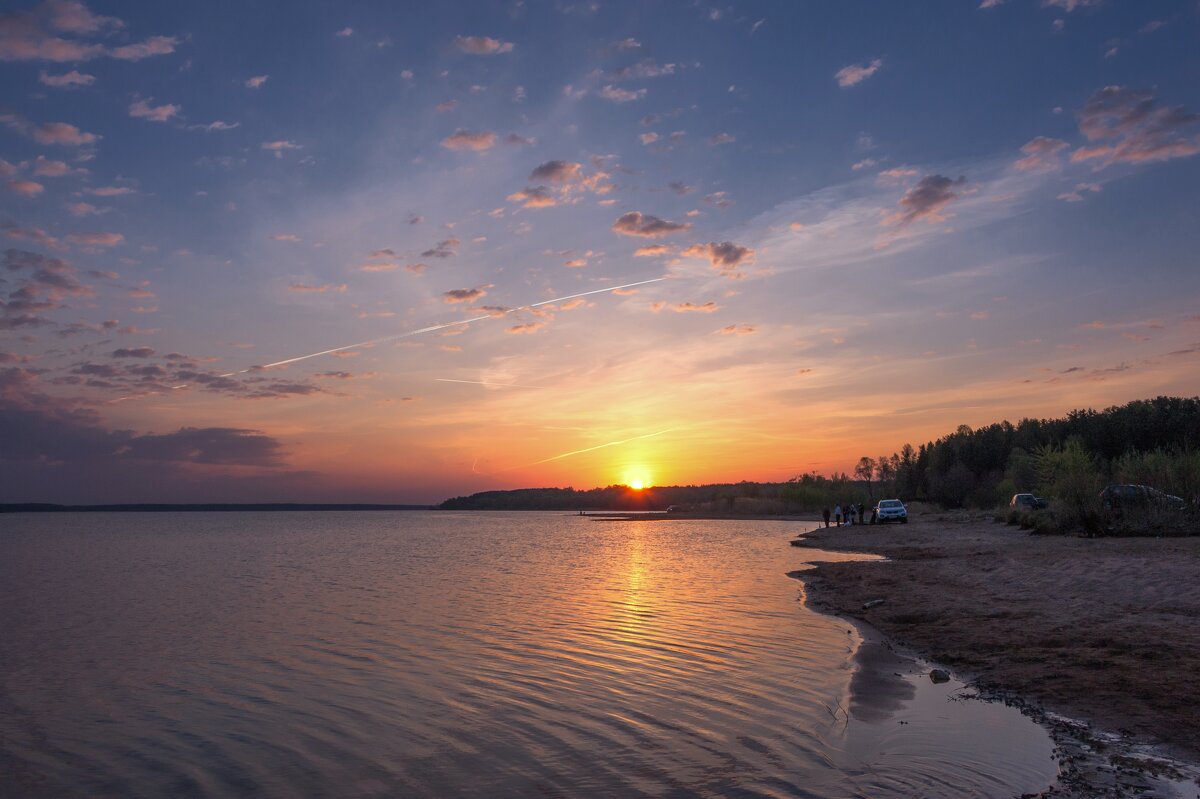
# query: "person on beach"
{"points": [[825, 515], [837, 514], [851, 513]]}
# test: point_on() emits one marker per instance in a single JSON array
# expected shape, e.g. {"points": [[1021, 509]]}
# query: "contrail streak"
{"points": [[602, 446], [433, 328]]}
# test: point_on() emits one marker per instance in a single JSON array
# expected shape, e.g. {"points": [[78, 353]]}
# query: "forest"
{"points": [[1153, 442]]}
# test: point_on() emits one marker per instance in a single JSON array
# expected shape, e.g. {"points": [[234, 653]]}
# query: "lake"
{"points": [[442, 654]]}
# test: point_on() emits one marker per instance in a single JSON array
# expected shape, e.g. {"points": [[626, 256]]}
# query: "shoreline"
{"points": [[985, 600]]}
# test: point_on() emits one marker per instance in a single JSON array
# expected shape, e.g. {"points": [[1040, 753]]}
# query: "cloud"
{"points": [[36, 235], [464, 295], [25, 188], [991, 3], [155, 45], [345, 33], [651, 251], [725, 256], [722, 138], [737, 330], [45, 167], [626, 44], [216, 125], [648, 138], [646, 68], [560, 172], [519, 141], [68, 80], [856, 73], [257, 81], [691, 307], [109, 191], [136, 352], [718, 199], [1070, 5], [1131, 127], [470, 140], [43, 284], [482, 45], [304, 288], [49, 132], [280, 146], [443, 249], [1076, 195], [95, 239], [1041, 155], [284, 237], [618, 95], [83, 209], [528, 327], [635, 223], [926, 200], [162, 113], [534, 197]]}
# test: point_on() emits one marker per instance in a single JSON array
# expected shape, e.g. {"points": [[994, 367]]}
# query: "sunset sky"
{"points": [[866, 223]]}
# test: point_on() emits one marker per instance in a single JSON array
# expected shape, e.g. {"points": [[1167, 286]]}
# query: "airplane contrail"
{"points": [[433, 328], [602, 446]]}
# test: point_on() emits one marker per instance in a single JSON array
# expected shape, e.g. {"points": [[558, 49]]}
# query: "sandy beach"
{"points": [[1101, 630]]}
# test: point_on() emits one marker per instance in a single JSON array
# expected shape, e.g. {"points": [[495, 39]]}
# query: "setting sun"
{"points": [[637, 485]]}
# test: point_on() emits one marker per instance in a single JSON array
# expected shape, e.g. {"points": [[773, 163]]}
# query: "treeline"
{"points": [[1150, 442], [744, 497]]}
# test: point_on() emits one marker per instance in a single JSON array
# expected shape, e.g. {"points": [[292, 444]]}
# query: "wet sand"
{"points": [[1102, 630]]}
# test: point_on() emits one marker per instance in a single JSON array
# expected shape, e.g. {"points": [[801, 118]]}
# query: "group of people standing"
{"points": [[852, 514]]}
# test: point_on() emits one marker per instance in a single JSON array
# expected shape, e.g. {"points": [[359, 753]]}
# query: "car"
{"points": [[1119, 497], [891, 510], [1027, 502]]}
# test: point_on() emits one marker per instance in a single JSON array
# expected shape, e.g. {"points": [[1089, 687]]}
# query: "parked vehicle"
{"points": [[1121, 497], [891, 510], [1027, 502]]}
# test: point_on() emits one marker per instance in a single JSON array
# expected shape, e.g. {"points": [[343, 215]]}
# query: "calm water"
{"points": [[444, 654]]}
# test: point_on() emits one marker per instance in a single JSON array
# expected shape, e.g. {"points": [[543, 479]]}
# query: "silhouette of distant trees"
{"points": [[1151, 442]]}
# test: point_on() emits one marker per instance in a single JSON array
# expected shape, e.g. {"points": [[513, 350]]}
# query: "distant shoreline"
{"points": [[43, 507]]}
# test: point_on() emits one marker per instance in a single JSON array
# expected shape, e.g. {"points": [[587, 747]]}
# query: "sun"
{"points": [[637, 484]]}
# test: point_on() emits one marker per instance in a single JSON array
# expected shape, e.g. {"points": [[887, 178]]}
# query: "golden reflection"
{"points": [[634, 608]]}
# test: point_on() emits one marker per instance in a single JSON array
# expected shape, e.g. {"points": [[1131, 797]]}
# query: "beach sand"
{"points": [[1101, 630]]}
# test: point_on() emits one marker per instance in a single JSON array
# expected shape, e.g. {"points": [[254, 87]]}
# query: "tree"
{"points": [[865, 470]]}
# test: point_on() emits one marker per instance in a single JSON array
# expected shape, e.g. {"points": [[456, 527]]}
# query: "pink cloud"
{"points": [[257, 81], [464, 295], [1130, 127], [155, 45], [482, 45], [725, 256], [618, 95], [161, 113], [96, 239], [25, 188], [926, 200], [635, 223], [470, 140], [1041, 155], [68, 80], [304, 288], [856, 73], [691, 307]]}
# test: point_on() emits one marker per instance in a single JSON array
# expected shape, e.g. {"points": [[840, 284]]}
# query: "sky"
{"points": [[387, 252]]}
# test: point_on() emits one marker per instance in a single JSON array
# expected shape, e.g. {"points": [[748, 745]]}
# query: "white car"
{"points": [[891, 510]]}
